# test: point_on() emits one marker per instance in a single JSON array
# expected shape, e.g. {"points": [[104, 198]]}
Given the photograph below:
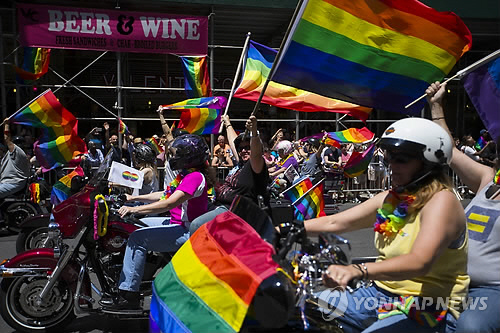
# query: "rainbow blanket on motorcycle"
{"points": [[212, 279]]}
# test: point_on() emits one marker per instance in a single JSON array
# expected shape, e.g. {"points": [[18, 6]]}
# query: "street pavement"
{"points": [[361, 242]]}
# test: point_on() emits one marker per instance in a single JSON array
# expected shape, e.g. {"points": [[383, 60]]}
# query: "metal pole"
{"points": [[2, 75], [14, 29], [297, 123], [119, 95], [212, 24]]}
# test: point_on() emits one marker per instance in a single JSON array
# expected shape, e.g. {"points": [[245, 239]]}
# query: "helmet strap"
{"points": [[414, 184]]}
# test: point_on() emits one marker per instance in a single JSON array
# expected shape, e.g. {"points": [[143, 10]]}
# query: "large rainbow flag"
{"points": [[358, 162], [59, 142], [259, 60], [311, 204], [378, 53], [297, 190], [212, 279], [61, 190], [483, 87], [35, 64], [196, 80], [200, 115]]}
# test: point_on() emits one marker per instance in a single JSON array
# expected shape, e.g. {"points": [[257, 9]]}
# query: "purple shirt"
{"points": [[193, 184]]}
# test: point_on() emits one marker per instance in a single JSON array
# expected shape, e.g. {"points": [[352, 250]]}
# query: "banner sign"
{"points": [[113, 30], [125, 175]]}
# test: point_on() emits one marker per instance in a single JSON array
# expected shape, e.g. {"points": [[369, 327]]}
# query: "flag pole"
{"points": [[238, 70], [309, 190], [278, 55], [24, 107], [465, 71]]}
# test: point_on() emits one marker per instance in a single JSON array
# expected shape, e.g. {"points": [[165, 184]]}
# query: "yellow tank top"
{"points": [[447, 281]]}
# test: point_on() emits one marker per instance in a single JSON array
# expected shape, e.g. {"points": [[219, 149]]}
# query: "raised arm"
{"points": [[231, 135], [7, 138], [164, 126], [473, 174]]}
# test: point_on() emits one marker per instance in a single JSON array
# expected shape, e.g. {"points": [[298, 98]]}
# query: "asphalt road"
{"points": [[361, 242]]}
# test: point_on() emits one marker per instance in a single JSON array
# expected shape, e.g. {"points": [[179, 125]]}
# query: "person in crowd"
{"points": [[376, 169], [185, 198], [345, 154], [221, 156], [420, 235], [298, 152], [286, 158], [312, 165], [169, 174], [112, 144], [95, 135], [268, 157], [94, 156], [145, 161], [486, 148], [332, 159], [14, 166], [483, 219], [468, 148], [275, 139]]}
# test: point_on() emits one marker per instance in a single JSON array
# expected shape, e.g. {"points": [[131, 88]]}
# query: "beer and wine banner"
{"points": [[113, 30]]}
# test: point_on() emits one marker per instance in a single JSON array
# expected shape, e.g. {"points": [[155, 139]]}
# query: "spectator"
{"points": [[468, 149], [345, 153], [312, 164], [94, 156], [285, 151], [221, 156], [112, 144], [268, 157], [487, 152], [332, 159]]}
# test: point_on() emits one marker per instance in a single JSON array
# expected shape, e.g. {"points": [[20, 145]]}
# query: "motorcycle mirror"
{"points": [[337, 247]]}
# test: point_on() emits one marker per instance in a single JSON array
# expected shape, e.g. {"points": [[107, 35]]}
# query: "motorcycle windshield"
{"points": [[103, 169]]}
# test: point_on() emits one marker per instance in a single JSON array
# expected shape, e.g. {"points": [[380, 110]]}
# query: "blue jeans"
{"points": [[160, 236], [207, 217], [357, 312], [482, 314], [7, 189]]}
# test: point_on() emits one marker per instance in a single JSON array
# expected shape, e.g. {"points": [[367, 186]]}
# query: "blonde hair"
{"points": [[436, 183]]}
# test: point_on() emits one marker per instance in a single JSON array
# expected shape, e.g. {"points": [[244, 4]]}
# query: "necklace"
{"points": [[391, 218], [174, 183], [496, 179], [280, 163]]}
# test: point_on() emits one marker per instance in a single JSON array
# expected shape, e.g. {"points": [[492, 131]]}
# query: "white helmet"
{"points": [[285, 146], [419, 136]]}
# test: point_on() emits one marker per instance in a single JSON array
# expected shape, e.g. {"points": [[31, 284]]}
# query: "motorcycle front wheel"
{"points": [[33, 238], [21, 311]]}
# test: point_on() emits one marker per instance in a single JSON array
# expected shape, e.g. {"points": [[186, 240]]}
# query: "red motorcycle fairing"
{"points": [[116, 236], [44, 258], [41, 220], [73, 212]]}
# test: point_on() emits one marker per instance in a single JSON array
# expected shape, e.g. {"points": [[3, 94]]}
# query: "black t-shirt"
{"points": [[244, 182], [333, 154]]}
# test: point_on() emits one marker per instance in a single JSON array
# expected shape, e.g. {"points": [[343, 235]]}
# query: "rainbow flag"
{"points": [[59, 142], [483, 87], [196, 80], [62, 188], [35, 65], [311, 204], [297, 190], [200, 115], [212, 279], [350, 135], [123, 129], [154, 145], [358, 162], [379, 53], [259, 60]]}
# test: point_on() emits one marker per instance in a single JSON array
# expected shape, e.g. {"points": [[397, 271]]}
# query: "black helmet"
{"points": [[18, 140], [191, 150], [313, 142], [144, 153]]}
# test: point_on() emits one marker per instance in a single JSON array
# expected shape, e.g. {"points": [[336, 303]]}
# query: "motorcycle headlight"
{"points": [[53, 230]]}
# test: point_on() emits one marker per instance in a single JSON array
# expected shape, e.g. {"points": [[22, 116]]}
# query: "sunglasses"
{"points": [[399, 157], [246, 147]]}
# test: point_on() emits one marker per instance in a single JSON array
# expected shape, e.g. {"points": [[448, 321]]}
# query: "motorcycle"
{"points": [[43, 289], [18, 207]]}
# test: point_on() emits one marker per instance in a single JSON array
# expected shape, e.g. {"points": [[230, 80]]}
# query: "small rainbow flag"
{"points": [[358, 162], [211, 281], [200, 115], [259, 60], [154, 144], [196, 80], [123, 129], [311, 204], [59, 142], [379, 53], [298, 190], [62, 188], [350, 135], [35, 65]]}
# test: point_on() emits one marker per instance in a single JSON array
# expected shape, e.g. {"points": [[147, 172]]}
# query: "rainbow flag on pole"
{"points": [[35, 65], [211, 281], [358, 162], [259, 60], [59, 142], [154, 145], [350, 135], [379, 53], [297, 190], [196, 80], [311, 204], [200, 115], [61, 190]]}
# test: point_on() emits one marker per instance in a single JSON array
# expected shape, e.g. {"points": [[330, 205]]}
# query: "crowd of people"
{"points": [[428, 246]]}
